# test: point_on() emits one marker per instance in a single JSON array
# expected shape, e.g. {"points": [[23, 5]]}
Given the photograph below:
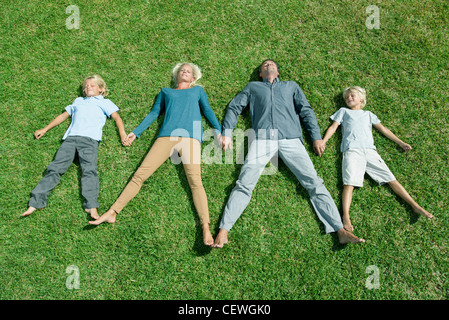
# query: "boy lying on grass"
{"points": [[359, 153]]}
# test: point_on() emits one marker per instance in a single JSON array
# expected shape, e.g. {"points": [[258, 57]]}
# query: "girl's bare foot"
{"points": [[29, 211], [345, 236], [221, 239], [93, 213], [207, 236], [108, 216]]}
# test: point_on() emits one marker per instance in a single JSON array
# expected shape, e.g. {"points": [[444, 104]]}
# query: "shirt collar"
{"points": [[265, 80], [99, 97]]}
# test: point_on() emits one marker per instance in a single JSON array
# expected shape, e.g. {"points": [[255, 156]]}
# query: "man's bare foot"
{"points": [[29, 211], [221, 239], [424, 213], [345, 236], [108, 216], [93, 213], [207, 236]]}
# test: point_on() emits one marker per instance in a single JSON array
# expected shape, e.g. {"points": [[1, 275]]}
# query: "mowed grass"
{"points": [[277, 249]]}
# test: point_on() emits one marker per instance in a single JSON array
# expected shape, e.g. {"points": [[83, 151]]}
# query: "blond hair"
{"points": [[356, 89], [101, 83], [196, 74]]}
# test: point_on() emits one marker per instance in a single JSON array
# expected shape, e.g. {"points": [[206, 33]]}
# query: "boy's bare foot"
{"points": [[345, 236], [221, 239], [108, 216], [93, 213], [207, 236], [28, 212]]}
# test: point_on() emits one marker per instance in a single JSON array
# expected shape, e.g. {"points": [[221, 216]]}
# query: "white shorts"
{"points": [[357, 162]]}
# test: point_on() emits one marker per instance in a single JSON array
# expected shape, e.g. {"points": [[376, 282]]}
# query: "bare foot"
{"points": [[345, 236], [108, 216], [207, 236], [221, 239], [424, 213], [28, 212], [93, 213]]}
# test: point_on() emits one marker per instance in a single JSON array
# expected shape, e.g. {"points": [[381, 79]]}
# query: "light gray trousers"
{"points": [[295, 156]]}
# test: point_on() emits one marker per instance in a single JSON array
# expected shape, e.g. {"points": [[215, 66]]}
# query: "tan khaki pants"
{"points": [[190, 154]]}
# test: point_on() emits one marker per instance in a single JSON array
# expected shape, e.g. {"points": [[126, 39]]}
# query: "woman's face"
{"points": [[185, 74]]}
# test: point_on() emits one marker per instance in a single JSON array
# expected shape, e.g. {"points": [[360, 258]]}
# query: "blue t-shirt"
{"points": [[356, 126], [182, 113], [89, 116]]}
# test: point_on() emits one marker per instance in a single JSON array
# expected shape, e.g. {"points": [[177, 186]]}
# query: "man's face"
{"points": [[268, 69]]}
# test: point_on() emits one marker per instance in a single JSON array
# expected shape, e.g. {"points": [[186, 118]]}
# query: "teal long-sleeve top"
{"points": [[182, 113]]}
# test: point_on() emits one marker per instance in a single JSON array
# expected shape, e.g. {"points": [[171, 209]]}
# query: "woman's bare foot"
{"points": [[345, 236], [93, 213], [221, 239], [29, 211], [108, 216], [207, 236]]}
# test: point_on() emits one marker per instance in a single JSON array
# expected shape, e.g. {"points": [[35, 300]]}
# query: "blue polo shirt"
{"points": [[89, 116], [182, 117]]}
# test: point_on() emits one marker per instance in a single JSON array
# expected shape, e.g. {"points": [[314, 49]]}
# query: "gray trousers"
{"points": [[295, 156], [87, 150]]}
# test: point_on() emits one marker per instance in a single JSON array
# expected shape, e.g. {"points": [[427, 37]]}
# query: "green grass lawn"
{"points": [[277, 249]]}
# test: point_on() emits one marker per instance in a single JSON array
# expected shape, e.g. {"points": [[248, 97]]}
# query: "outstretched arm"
{"points": [[390, 135], [121, 128], [330, 131], [234, 109], [56, 121]]}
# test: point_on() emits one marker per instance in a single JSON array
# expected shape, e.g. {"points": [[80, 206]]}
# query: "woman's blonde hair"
{"points": [[360, 91], [101, 83], [196, 74]]}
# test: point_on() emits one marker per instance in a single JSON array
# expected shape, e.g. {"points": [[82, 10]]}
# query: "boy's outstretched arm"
{"points": [[56, 121], [390, 135], [121, 128], [330, 131]]}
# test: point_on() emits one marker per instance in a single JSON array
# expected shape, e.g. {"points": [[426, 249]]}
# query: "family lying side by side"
{"points": [[277, 110]]}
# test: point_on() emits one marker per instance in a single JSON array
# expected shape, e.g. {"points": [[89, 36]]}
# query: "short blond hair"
{"points": [[101, 83], [196, 73], [359, 90]]}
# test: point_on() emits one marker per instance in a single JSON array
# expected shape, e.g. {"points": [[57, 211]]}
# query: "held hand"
{"points": [[129, 139], [39, 133], [219, 139], [406, 147], [319, 146], [123, 137], [226, 142]]}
